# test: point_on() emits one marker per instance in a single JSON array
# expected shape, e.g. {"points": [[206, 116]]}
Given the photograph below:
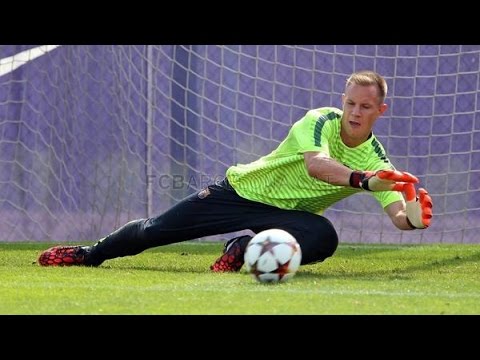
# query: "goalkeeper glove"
{"points": [[381, 180], [419, 208]]}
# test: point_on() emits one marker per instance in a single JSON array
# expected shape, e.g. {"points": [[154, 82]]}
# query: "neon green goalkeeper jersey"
{"points": [[281, 178]]}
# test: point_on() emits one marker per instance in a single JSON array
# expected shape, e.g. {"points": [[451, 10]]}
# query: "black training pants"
{"points": [[218, 210]]}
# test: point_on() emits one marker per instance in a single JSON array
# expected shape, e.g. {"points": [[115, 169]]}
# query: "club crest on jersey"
{"points": [[203, 193]]}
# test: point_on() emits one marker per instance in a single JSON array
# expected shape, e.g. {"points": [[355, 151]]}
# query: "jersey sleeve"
{"points": [[385, 198], [314, 131]]}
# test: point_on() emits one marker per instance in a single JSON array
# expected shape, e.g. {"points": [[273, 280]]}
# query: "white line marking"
{"points": [[255, 289]]}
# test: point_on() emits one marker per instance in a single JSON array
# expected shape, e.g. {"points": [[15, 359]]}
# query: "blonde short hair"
{"points": [[367, 78]]}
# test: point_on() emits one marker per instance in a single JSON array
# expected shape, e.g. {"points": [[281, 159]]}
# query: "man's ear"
{"points": [[383, 108]]}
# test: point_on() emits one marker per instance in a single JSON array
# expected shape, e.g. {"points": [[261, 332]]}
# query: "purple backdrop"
{"points": [[74, 128]]}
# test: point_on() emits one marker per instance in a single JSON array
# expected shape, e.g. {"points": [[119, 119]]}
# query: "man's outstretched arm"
{"points": [[326, 169]]}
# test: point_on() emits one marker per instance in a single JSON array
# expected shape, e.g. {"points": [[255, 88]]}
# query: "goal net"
{"points": [[94, 136]]}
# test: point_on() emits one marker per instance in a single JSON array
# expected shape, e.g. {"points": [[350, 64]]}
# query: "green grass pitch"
{"points": [[175, 279]]}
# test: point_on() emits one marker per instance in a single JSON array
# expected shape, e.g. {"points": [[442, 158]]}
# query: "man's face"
{"points": [[361, 107]]}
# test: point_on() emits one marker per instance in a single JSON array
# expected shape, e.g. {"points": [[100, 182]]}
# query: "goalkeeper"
{"points": [[328, 155]]}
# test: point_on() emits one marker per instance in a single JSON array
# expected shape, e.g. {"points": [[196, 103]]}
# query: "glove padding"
{"points": [[381, 180], [419, 208]]}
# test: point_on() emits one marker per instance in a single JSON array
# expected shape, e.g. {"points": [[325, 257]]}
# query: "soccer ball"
{"points": [[273, 255]]}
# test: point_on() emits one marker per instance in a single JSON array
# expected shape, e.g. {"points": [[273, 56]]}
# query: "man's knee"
{"points": [[329, 237], [319, 242]]}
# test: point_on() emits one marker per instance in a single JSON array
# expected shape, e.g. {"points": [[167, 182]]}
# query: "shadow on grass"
{"points": [[345, 251], [351, 250], [170, 269], [309, 272], [397, 273]]}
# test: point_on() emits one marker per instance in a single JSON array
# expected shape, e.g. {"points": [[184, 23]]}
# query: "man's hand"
{"points": [[419, 208], [382, 180]]}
